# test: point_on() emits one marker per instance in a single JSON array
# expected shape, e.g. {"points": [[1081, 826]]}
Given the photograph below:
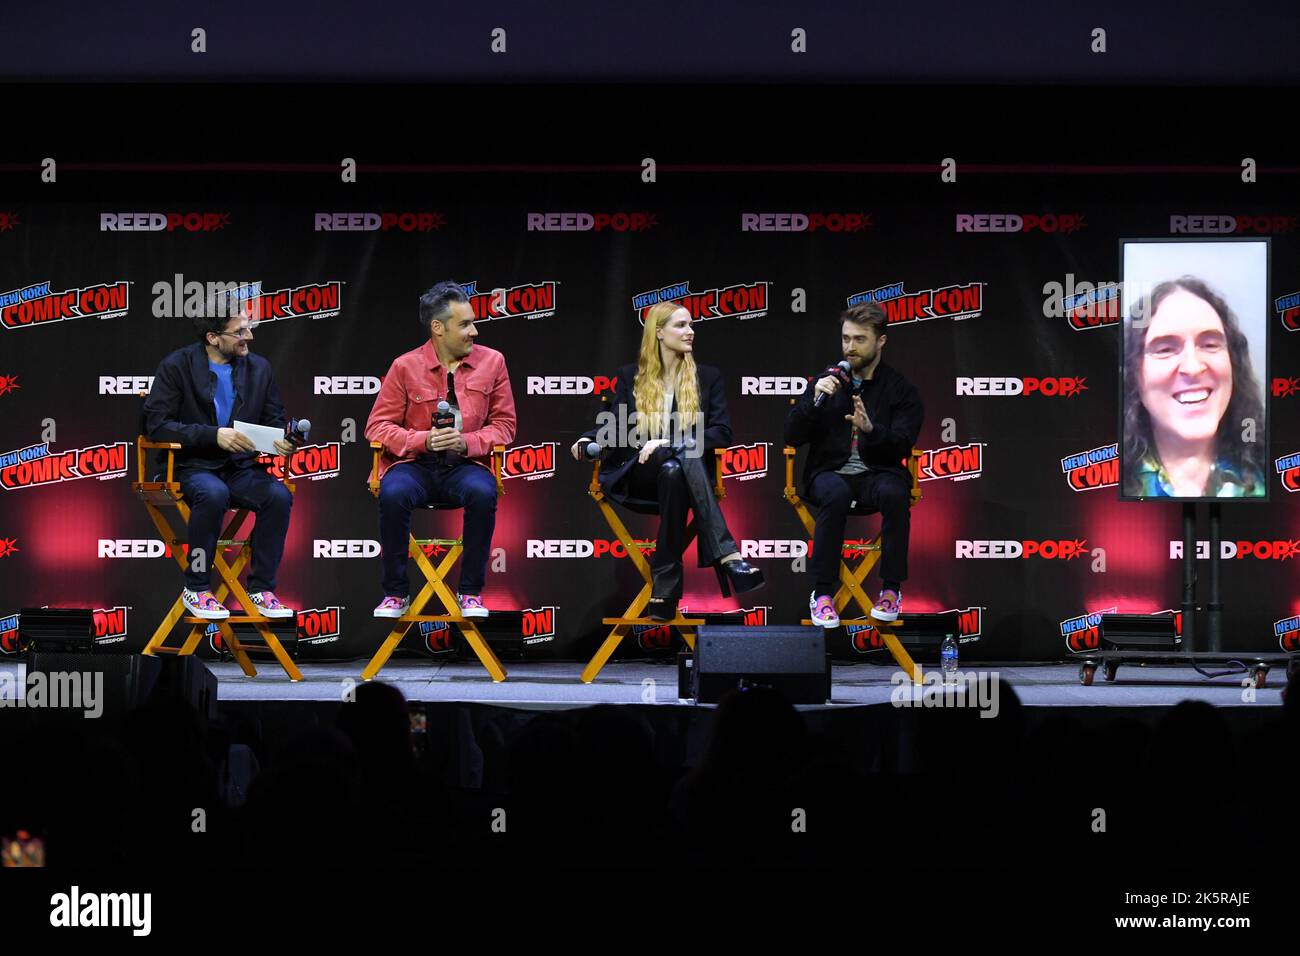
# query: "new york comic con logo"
{"points": [[319, 300], [531, 300], [1095, 468], [743, 301], [1287, 632], [1288, 310], [9, 634], [110, 624], [1288, 471], [312, 462], [109, 628], [1083, 633], [537, 625], [318, 625], [659, 637], [745, 462], [36, 465], [530, 462], [1084, 305], [970, 625], [37, 304], [954, 462], [956, 302]]}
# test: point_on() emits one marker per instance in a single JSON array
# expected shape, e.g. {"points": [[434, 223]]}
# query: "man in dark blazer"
{"points": [[198, 393], [860, 439]]}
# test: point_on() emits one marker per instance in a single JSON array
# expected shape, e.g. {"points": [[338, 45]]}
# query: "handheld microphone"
{"points": [[444, 418], [591, 450], [841, 371], [296, 430]]}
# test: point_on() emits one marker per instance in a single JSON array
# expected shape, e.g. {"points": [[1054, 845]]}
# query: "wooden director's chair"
{"points": [[851, 580], [435, 576], [633, 616], [158, 495]]}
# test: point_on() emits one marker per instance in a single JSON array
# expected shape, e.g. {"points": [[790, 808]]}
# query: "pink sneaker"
{"points": [[393, 607], [471, 605], [889, 606], [822, 611], [204, 604], [268, 605]]}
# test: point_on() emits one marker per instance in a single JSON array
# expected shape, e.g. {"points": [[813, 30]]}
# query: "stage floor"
{"points": [[556, 685]]}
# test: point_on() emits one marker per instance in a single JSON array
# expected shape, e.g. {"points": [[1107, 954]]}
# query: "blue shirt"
{"points": [[224, 396]]}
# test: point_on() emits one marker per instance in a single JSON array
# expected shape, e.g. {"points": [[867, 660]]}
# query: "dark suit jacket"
{"points": [[894, 408], [179, 407], [619, 460]]}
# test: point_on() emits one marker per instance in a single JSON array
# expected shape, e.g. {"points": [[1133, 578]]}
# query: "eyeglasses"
{"points": [[245, 332]]}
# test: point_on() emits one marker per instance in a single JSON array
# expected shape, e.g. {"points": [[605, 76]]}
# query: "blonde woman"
{"points": [[667, 416]]}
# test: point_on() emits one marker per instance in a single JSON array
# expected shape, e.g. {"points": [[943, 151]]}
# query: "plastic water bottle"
{"points": [[948, 659]]}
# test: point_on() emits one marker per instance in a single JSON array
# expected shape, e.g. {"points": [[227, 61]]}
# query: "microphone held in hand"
{"points": [[444, 418], [296, 431], [840, 371], [591, 450]]}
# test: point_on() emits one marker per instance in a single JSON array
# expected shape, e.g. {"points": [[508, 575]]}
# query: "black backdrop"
{"points": [[575, 150]]}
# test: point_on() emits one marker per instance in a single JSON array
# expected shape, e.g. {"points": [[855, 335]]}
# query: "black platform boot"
{"points": [[667, 587], [739, 575]]}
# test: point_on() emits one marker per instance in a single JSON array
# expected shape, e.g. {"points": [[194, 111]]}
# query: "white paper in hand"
{"points": [[263, 437]]}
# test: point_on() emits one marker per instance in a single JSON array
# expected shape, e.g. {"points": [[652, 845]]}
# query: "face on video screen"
{"points": [[1194, 354]]}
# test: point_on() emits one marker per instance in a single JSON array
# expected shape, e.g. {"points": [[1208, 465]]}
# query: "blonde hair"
{"points": [[648, 387]]}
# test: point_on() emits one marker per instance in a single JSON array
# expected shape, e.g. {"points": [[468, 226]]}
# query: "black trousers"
{"points": [[681, 484], [833, 494]]}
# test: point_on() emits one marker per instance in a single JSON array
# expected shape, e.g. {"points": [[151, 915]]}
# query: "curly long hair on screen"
{"points": [[1247, 399], [648, 387]]}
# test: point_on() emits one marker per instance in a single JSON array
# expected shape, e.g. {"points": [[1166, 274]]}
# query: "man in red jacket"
{"points": [[425, 464]]}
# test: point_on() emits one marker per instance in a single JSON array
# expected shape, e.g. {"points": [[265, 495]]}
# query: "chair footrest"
{"points": [[675, 622], [239, 619], [449, 618], [166, 650]]}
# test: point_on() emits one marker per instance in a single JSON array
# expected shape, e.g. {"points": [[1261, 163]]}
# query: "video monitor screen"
{"points": [[1194, 369]]}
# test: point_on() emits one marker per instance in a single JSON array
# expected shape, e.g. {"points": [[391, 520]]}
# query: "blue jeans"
{"points": [[209, 494], [413, 484]]}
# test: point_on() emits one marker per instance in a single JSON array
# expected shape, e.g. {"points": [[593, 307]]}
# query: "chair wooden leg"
{"points": [[386, 650], [606, 651], [278, 650], [469, 630], [237, 649]]}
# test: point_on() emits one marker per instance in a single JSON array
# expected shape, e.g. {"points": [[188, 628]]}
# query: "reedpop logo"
{"points": [[9, 220], [163, 221], [9, 383], [972, 689], [590, 222], [377, 221], [804, 222], [1046, 223], [1065, 387]]}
